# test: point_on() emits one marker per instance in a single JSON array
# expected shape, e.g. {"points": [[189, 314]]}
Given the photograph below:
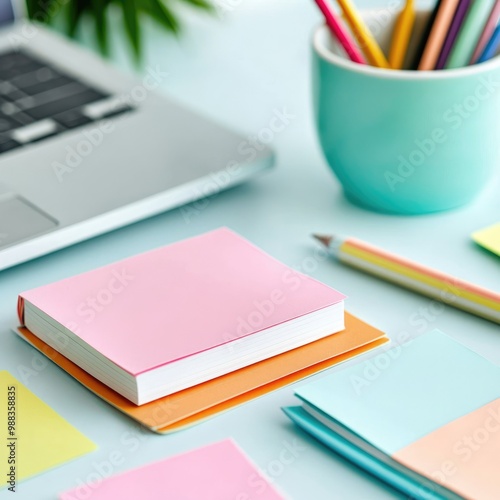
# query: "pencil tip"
{"points": [[325, 240]]}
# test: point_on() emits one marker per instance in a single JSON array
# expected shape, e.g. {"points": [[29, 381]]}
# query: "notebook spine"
{"points": [[20, 310]]}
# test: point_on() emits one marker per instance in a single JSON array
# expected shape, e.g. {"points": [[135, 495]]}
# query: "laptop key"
{"points": [[7, 123], [32, 88], [22, 118], [9, 92], [35, 131], [72, 118], [33, 77], [50, 109], [118, 111], [16, 63], [8, 145], [16, 59], [51, 95], [8, 108], [38, 101], [106, 108]]}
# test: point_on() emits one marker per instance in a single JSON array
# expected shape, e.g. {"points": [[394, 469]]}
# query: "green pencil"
{"points": [[470, 33]]}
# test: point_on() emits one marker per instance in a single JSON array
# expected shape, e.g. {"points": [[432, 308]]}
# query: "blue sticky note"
{"points": [[403, 394]]}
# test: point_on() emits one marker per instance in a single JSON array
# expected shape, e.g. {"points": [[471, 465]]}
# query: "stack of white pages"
{"points": [[178, 316]]}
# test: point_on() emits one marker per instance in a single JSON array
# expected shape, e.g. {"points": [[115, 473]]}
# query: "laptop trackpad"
{"points": [[19, 220]]}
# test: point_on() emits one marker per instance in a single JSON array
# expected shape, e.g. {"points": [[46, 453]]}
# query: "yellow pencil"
{"points": [[366, 41], [402, 35]]}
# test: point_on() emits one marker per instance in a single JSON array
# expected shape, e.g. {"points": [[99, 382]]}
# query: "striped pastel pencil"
{"points": [[452, 35], [402, 35], [340, 33], [492, 46], [470, 33], [366, 41], [416, 277], [487, 32], [438, 34]]}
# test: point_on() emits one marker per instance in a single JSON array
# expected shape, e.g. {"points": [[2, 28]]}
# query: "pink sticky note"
{"points": [[216, 472]]}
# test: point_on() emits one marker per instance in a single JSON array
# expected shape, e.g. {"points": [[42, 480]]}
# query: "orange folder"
{"points": [[193, 405]]}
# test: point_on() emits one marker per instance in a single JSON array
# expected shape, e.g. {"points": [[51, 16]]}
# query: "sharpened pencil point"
{"points": [[326, 240]]}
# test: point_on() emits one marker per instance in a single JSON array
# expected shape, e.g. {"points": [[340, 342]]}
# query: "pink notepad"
{"points": [[166, 307], [216, 472]]}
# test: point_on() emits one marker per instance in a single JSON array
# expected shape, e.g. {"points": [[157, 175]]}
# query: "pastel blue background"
{"points": [[404, 394], [238, 69]]}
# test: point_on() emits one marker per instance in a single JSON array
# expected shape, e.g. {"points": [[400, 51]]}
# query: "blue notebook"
{"points": [[403, 415]]}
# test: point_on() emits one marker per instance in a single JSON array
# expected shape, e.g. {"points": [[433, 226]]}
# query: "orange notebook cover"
{"points": [[191, 406]]}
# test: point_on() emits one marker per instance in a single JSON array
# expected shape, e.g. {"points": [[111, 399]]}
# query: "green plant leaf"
{"points": [[160, 11], [162, 14], [39, 10], [30, 7], [101, 24], [74, 11], [131, 18], [200, 4]]}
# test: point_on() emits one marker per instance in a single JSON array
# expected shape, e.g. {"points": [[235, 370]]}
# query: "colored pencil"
{"points": [[470, 33], [487, 32], [452, 35], [425, 35], [413, 276], [437, 37], [365, 39], [340, 33], [402, 35], [491, 47]]}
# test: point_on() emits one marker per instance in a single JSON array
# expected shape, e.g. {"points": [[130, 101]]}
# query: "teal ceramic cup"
{"points": [[406, 142]]}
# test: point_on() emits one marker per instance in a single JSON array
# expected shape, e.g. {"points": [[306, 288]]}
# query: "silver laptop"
{"points": [[85, 149]]}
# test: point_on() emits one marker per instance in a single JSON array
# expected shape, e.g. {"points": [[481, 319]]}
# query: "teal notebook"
{"points": [[412, 485], [401, 414]]}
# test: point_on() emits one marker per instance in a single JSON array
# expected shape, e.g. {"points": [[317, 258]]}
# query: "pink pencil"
{"points": [[340, 33], [487, 32]]}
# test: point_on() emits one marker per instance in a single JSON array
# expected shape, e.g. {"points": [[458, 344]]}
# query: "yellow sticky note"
{"points": [[489, 238], [33, 437]]}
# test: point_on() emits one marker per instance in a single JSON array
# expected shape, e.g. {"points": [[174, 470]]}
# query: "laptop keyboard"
{"points": [[38, 101]]}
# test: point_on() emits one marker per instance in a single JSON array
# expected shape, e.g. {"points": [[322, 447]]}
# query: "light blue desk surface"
{"points": [[239, 69]]}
